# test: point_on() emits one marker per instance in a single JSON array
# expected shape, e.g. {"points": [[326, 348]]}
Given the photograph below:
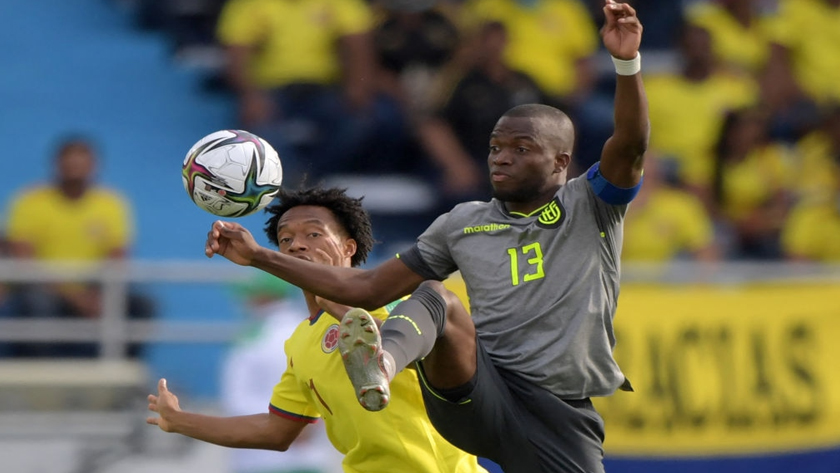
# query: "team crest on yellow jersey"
{"points": [[552, 215], [330, 340]]}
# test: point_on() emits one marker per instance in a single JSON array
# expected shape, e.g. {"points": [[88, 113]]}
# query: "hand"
{"points": [[622, 34], [232, 241], [165, 404], [332, 254]]}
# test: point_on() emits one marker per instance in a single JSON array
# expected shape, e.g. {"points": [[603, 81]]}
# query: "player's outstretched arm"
{"points": [[623, 153], [259, 431], [369, 289]]}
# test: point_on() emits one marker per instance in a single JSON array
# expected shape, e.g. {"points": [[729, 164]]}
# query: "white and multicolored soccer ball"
{"points": [[232, 173]]}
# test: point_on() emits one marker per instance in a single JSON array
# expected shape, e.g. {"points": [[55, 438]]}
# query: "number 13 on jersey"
{"points": [[535, 259]]}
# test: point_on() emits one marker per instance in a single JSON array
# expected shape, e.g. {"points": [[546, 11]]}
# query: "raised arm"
{"points": [[369, 289], [623, 153]]}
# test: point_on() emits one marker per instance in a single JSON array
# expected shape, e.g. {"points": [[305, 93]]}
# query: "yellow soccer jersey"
{"points": [[399, 438], [687, 117], [58, 228], [295, 41], [670, 221], [545, 41]]}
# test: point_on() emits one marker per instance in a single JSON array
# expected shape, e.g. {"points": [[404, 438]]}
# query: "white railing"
{"points": [[114, 330]]}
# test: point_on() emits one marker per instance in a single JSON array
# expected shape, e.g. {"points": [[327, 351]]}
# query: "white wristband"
{"points": [[628, 67]]}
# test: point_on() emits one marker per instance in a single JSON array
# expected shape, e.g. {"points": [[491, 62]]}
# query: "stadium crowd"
{"points": [[744, 109]]}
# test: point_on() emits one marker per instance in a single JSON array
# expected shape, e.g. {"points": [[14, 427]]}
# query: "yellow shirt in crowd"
{"points": [[667, 223], [819, 171], [545, 41], [810, 29], [686, 118], [744, 48], [58, 228], [812, 230], [752, 182], [397, 439], [293, 40]]}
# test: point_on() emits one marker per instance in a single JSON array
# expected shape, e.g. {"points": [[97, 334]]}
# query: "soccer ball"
{"points": [[232, 173]]}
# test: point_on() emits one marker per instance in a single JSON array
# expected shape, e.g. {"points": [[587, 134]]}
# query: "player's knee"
{"points": [[451, 300]]}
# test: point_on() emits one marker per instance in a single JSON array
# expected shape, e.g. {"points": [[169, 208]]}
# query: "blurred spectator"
{"points": [[753, 185], [819, 152], [812, 232], [413, 40], [305, 75], [804, 65], [71, 220], [456, 138], [666, 222], [738, 29], [805, 35], [552, 41], [687, 108], [251, 369]]}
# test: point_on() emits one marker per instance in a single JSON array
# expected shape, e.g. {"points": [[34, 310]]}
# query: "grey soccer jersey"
{"points": [[543, 288]]}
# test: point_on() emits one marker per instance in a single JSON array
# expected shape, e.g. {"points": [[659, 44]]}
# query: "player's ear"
{"points": [[561, 161], [349, 247]]}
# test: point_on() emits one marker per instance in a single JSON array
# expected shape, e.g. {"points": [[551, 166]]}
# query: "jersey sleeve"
{"points": [[288, 399], [430, 256], [608, 217]]}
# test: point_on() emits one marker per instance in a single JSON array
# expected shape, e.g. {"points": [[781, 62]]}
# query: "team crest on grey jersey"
{"points": [[553, 215]]}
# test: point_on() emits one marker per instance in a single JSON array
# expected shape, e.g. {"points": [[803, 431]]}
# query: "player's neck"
{"points": [[311, 304], [529, 206]]}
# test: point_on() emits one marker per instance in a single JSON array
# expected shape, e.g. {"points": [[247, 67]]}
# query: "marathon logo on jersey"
{"points": [[490, 227], [552, 215], [330, 340]]}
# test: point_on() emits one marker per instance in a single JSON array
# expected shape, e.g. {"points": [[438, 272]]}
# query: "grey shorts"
{"points": [[517, 424]]}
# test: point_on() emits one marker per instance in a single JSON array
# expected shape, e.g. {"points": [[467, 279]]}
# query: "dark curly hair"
{"points": [[347, 210]]}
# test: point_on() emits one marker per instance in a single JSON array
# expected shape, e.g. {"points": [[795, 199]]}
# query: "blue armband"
{"points": [[608, 192]]}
